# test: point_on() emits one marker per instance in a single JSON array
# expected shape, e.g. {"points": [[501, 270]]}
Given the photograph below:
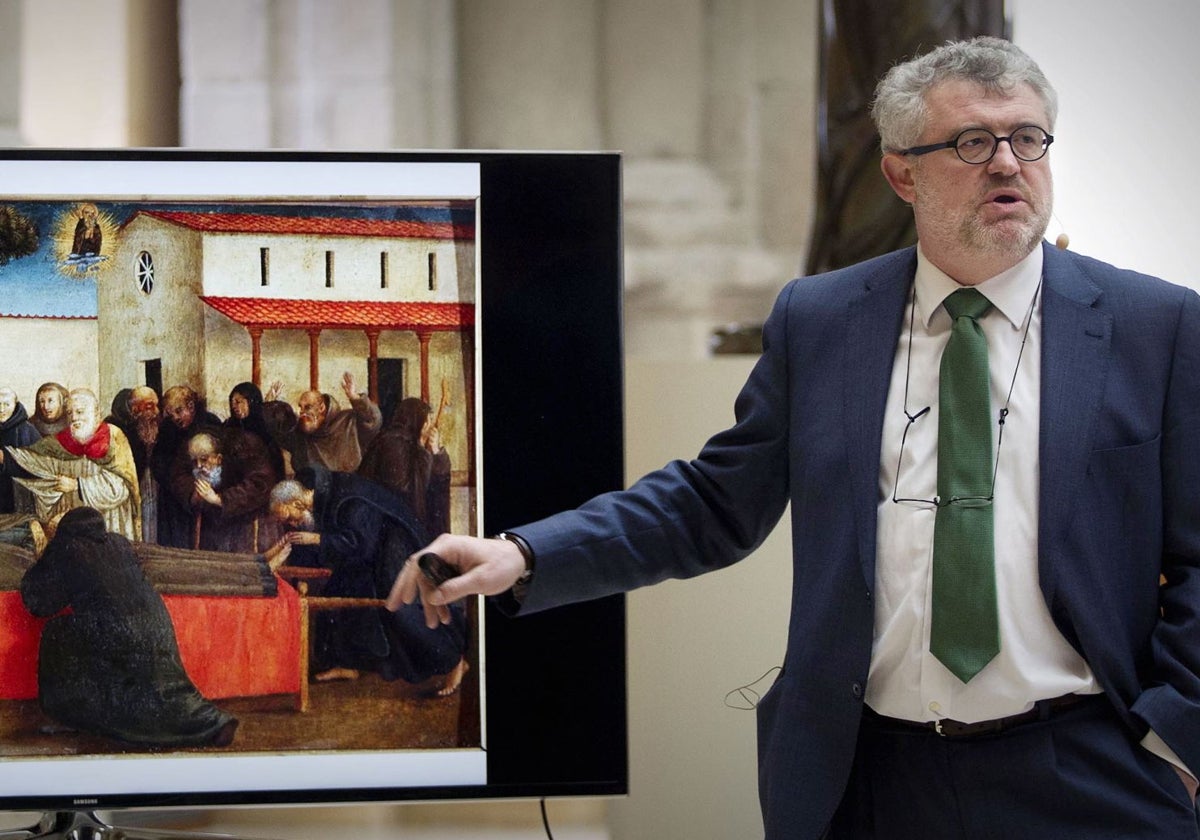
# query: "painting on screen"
{"points": [[224, 426]]}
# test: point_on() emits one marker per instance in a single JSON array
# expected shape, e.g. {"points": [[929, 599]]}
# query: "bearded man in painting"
{"points": [[141, 430], [88, 463], [183, 415], [334, 437]]}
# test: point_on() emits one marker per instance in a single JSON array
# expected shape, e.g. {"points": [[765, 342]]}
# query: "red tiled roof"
{"points": [[311, 225], [345, 314]]}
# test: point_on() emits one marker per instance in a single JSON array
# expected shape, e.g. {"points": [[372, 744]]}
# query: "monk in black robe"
{"points": [[407, 458], [246, 413], [364, 534], [184, 414], [111, 665], [15, 430]]}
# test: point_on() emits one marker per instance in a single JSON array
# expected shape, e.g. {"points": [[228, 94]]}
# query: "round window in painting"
{"points": [[144, 272]]}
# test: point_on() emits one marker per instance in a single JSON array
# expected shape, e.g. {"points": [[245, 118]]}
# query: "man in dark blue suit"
{"points": [[1056, 693]]}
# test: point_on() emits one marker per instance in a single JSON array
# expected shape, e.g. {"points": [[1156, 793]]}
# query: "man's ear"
{"points": [[899, 171]]}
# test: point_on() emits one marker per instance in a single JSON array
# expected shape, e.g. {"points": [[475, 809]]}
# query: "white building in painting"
{"points": [[211, 299]]}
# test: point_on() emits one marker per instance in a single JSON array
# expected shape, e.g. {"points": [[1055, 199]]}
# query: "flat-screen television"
{"points": [[483, 287]]}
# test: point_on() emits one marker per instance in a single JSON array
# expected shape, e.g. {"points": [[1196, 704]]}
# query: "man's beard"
{"points": [[1000, 238], [307, 522], [147, 428], [212, 476], [1015, 237], [309, 423], [82, 433]]}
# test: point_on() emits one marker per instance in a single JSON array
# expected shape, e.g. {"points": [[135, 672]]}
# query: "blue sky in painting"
{"points": [[37, 286]]}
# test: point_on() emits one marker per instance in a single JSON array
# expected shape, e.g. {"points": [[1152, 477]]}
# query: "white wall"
{"points": [[46, 350], [692, 759], [1124, 152], [232, 267]]}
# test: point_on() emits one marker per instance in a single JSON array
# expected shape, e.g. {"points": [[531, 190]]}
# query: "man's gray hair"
{"points": [[285, 492], [999, 66], [84, 395], [202, 443]]}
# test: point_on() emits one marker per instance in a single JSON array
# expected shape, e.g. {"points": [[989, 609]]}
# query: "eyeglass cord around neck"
{"points": [[1003, 414]]}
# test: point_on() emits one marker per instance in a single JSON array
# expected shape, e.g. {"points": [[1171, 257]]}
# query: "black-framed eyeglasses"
{"points": [[955, 501], [978, 145]]}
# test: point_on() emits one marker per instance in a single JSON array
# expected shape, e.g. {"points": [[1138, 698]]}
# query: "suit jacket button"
{"points": [[857, 690]]}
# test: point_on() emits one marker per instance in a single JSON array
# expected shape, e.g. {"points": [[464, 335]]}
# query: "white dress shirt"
{"points": [[1035, 662]]}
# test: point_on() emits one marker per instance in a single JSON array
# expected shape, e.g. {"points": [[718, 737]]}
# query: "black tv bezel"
{"points": [[551, 385]]}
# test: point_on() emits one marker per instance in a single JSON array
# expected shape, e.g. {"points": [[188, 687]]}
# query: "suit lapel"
{"points": [[1076, 341], [874, 320]]}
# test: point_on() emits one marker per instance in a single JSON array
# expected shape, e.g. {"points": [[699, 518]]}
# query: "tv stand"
{"points": [[85, 825]]}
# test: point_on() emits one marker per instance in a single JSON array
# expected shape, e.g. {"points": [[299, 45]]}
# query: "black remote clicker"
{"points": [[436, 570]]}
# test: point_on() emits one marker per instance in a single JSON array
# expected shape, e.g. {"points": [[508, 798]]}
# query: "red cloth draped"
{"points": [[231, 646]]}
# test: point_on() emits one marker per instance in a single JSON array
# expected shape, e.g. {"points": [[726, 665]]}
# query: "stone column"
{"points": [[362, 74], [330, 74], [731, 130], [225, 101], [10, 74], [424, 74], [786, 49], [528, 74], [654, 77]]}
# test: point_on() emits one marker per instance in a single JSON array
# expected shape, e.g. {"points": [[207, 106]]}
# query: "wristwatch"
{"points": [[526, 552]]}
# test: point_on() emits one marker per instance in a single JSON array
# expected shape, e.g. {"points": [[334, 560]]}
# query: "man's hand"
{"points": [[206, 492], [66, 484], [273, 392], [303, 538], [349, 386], [487, 567], [278, 553], [433, 440]]}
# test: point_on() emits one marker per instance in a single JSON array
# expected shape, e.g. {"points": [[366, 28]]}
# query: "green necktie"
{"points": [[965, 633]]}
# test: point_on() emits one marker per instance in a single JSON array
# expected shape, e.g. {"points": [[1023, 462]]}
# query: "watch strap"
{"points": [[526, 552]]}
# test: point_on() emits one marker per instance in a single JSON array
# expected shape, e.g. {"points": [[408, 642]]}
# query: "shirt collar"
{"points": [[1011, 292]]}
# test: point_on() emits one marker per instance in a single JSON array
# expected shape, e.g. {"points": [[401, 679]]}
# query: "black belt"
{"points": [[1042, 710]]}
